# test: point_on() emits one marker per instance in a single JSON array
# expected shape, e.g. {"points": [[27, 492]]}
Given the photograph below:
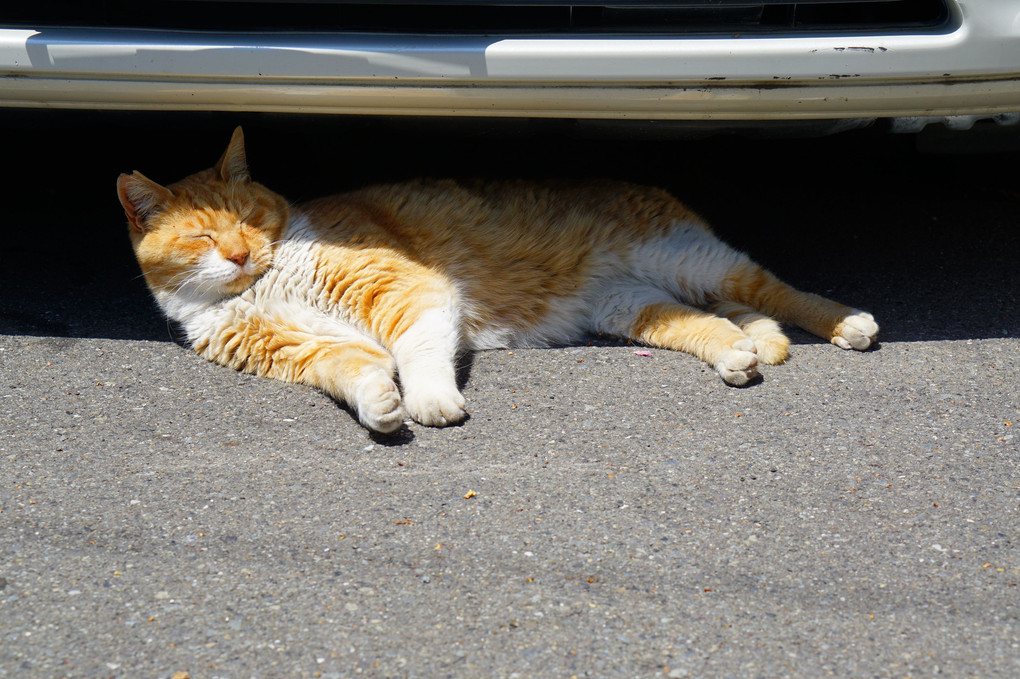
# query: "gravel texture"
{"points": [[601, 513]]}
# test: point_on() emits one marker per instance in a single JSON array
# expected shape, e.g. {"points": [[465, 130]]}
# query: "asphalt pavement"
{"points": [[601, 514]]}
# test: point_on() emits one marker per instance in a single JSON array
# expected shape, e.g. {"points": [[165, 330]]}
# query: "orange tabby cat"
{"points": [[349, 292]]}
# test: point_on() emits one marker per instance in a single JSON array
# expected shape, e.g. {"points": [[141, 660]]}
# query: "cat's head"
{"points": [[212, 234]]}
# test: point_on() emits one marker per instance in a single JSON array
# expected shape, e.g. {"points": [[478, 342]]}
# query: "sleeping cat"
{"points": [[354, 292]]}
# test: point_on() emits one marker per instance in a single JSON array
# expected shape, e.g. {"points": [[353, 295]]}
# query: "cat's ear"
{"points": [[233, 165], [140, 197]]}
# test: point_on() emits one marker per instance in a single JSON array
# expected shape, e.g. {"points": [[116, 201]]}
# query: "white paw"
{"points": [[739, 365], [435, 407], [857, 331], [771, 345], [378, 404]]}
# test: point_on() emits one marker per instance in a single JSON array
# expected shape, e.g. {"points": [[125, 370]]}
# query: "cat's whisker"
{"points": [[181, 278], [185, 279]]}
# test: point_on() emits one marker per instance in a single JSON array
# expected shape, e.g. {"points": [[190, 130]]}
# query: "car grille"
{"points": [[505, 17]]}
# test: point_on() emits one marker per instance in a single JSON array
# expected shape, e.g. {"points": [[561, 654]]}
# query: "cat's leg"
{"points": [[846, 327], [361, 375], [651, 316], [346, 365], [414, 313], [426, 353], [772, 345]]}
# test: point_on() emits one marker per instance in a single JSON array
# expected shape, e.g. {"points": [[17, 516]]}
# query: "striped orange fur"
{"points": [[355, 292]]}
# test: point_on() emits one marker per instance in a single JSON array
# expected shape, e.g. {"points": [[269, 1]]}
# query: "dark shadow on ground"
{"points": [[926, 242]]}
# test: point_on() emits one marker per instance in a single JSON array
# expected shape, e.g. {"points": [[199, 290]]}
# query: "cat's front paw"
{"points": [[739, 365], [436, 407], [857, 331], [379, 406]]}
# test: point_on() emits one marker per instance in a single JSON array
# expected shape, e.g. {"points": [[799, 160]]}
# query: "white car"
{"points": [[708, 60]]}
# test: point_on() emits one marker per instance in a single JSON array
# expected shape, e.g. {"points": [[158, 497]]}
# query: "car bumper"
{"points": [[971, 68]]}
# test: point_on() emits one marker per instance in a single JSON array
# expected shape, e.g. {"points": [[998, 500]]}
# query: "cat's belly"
{"points": [[563, 320]]}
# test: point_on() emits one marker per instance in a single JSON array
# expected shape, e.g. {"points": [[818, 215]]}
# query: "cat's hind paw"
{"points": [[739, 365], [771, 345], [857, 331], [437, 407], [379, 406]]}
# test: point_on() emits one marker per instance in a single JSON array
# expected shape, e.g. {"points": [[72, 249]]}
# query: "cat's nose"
{"points": [[238, 258]]}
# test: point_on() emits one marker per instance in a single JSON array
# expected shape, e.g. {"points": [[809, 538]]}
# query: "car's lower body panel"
{"points": [[971, 65], [566, 100]]}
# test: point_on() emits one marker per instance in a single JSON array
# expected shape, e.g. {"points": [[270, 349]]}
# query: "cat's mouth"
{"points": [[227, 276], [240, 283], [241, 278]]}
